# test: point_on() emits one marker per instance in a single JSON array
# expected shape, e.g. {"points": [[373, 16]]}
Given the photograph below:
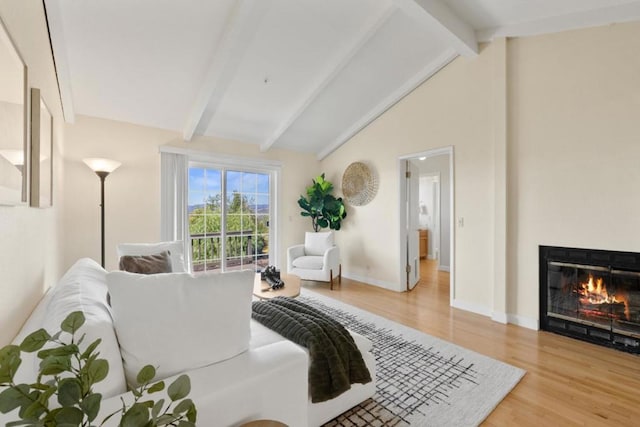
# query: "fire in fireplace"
{"points": [[592, 295]]}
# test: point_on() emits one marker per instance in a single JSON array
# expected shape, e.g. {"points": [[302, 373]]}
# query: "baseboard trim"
{"points": [[525, 322], [444, 268], [500, 317], [371, 281], [472, 307]]}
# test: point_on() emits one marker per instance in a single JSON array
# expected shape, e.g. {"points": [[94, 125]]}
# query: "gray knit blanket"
{"points": [[335, 362]]}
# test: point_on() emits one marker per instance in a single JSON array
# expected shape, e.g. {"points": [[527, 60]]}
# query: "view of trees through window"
{"points": [[228, 218]]}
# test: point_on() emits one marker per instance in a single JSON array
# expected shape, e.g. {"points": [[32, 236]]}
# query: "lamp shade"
{"points": [[102, 165]]}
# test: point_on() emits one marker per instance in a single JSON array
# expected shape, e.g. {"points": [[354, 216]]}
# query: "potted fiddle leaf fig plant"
{"points": [[68, 374], [324, 209]]}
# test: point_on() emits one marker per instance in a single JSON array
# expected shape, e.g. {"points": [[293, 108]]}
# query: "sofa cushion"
{"points": [[146, 264], [317, 243], [174, 248], [309, 262], [177, 321], [84, 288]]}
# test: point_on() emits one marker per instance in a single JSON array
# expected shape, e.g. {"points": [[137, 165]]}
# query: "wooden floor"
{"points": [[568, 382]]}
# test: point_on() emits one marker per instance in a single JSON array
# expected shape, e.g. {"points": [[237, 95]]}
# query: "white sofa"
{"points": [[268, 381]]}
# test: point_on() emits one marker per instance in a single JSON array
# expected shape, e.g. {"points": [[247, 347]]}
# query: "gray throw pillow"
{"points": [[146, 264]]}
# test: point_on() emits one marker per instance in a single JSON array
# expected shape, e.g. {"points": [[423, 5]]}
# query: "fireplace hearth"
{"points": [[592, 295]]}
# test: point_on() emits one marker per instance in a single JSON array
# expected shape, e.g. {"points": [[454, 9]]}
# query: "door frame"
{"points": [[402, 226]]}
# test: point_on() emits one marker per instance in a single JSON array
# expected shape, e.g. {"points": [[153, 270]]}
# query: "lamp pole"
{"points": [[103, 175], [102, 168]]}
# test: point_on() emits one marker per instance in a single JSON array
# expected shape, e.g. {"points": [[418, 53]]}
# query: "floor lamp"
{"points": [[102, 168]]}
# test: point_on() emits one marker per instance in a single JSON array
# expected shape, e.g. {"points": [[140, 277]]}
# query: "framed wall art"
{"points": [[41, 152], [13, 123]]}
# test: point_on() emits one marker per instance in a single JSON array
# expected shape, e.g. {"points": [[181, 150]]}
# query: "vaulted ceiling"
{"points": [[304, 75]]}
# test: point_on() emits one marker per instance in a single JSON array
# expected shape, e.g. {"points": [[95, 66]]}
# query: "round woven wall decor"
{"points": [[359, 184]]}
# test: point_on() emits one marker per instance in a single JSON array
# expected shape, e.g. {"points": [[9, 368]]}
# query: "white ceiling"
{"points": [[304, 75]]}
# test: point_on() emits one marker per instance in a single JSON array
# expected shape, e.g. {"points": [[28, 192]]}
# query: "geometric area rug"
{"points": [[421, 380]]}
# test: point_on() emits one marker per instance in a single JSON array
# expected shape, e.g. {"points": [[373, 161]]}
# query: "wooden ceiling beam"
{"points": [[330, 73], [424, 74], [436, 15], [238, 33]]}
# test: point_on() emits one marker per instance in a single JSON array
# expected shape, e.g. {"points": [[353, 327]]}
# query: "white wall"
{"points": [[574, 154], [31, 239], [562, 110], [132, 192], [453, 108]]}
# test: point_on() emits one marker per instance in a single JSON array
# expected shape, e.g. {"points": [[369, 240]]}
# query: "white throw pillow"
{"points": [[177, 322], [84, 288], [175, 248], [317, 243]]}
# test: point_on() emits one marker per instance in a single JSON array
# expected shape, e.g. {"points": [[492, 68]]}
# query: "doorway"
{"points": [[429, 214], [427, 211]]}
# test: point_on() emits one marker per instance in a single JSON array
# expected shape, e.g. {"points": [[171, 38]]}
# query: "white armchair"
{"points": [[317, 259]]}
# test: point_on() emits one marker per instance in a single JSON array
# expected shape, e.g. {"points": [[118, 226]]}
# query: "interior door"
{"points": [[413, 237]]}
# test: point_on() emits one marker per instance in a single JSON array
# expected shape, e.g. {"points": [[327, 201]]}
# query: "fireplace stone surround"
{"points": [[592, 295]]}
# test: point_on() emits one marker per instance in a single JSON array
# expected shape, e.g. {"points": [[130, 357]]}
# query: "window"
{"points": [[222, 208], [230, 217]]}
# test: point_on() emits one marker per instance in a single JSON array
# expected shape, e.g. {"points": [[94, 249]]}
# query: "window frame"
{"points": [[174, 193], [224, 168], [224, 163]]}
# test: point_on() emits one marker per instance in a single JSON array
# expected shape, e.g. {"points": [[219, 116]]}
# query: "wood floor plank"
{"points": [[568, 382]]}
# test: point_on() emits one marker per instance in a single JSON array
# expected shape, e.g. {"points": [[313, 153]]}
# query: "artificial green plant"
{"points": [[68, 373], [324, 209]]}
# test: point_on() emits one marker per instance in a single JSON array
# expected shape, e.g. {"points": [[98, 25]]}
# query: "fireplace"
{"points": [[593, 295]]}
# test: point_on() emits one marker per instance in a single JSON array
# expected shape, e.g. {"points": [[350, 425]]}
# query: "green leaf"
{"points": [[147, 403], [146, 374], [14, 397], [98, 370], [33, 411], [87, 352], [22, 423], [68, 416], [184, 423], [9, 363], [55, 365], [163, 420], [192, 414], [63, 350], [81, 339], [47, 393], [73, 322], [90, 405], [180, 388], [69, 391], [159, 386], [136, 416], [39, 386], [183, 406], [157, 408], [35, 341]]}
